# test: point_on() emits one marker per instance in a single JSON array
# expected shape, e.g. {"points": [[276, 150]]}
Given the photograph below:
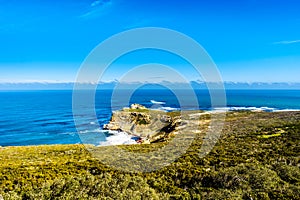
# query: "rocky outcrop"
{"points": [[138, 107], [150, 125]]}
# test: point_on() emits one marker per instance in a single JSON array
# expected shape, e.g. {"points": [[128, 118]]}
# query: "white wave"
{"points": [[169, 108], [165, 109], [157, 102], [245, 108], [258, 109], [287, 110], [250, 108], [118, 138], [97, 130], [67, 133], [223, 108]]}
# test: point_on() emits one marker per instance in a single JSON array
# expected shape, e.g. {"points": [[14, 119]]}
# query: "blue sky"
{"points": [[249, 40]]}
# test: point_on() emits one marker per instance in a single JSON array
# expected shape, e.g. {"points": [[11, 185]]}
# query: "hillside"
{"points": [[257, 157]]}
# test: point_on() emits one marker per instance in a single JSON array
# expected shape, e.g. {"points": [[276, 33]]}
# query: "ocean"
{"points": [[46, 117]]}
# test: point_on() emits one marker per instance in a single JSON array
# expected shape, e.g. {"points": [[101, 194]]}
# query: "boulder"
{"points": [[136, 106]]}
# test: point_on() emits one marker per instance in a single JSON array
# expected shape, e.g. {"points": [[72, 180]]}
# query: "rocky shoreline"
{"points": [[147, 126]]}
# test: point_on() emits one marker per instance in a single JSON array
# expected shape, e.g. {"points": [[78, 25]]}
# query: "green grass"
{"points": [[244, 164]]}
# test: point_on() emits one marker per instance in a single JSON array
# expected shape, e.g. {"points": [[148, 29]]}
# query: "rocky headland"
{"points": [[147, 125]]}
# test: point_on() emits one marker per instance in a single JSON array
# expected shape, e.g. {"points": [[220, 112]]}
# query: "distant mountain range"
{"points": [[113, 84]]}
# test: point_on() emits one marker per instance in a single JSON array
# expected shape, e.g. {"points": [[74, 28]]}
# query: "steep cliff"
{"points": [[150, 125]]}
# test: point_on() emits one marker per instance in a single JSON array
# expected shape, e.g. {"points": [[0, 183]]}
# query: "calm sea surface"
{"points": [[46, 117]]}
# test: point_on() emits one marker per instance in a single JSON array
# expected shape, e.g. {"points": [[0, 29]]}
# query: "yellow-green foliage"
{"points": [[269, 136], [240, 166], [276, 133]]}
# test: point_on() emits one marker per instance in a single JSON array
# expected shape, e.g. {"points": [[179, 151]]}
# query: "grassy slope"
{"points": [[257, 157]]}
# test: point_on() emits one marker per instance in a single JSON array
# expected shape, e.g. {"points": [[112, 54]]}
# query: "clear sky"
{"points": [[249, 40]]}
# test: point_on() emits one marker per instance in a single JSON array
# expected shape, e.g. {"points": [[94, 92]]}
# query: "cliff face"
{"points": [[151, 125]]}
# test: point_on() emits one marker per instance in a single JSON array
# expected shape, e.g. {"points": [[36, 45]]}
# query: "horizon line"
{"points": [[146, 82]]}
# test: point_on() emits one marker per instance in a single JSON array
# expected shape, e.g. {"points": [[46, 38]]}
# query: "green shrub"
{"points": [[240, 166]]}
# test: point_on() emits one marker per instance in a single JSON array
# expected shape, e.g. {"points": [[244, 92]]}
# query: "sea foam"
{"points": [[157, 102], [118, 138]]}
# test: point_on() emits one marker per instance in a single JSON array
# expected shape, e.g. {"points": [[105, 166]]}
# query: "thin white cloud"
{"points": [[96, 3], [287, 42], [100, 3], [96, 8]]}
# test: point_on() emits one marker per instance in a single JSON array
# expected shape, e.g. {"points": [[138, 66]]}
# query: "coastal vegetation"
{"points": [[257, 157]]}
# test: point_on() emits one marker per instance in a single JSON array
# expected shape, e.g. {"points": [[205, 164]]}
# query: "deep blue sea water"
{"points": [[45, 117]]}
